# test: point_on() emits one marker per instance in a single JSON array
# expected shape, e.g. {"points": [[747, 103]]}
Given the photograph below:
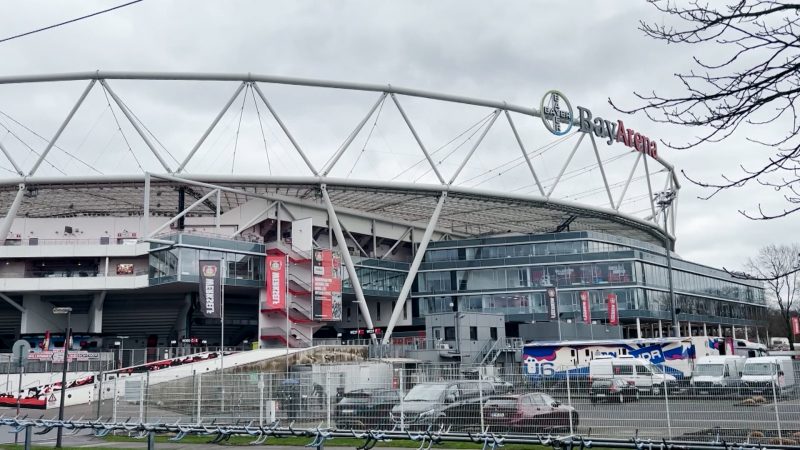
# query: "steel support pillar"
{"points": [[11, 214], [705, 330], [638, 328], [719, 329], [660, 329], [412, 271], [348, 260], [146, 206], [11, 302]]}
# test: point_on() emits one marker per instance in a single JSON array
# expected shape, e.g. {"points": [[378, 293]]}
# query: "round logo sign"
{"points": [[209, 271], [275, 266], [556, 113]]}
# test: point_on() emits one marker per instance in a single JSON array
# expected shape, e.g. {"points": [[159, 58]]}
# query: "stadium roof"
{"points": [[469, 211]]}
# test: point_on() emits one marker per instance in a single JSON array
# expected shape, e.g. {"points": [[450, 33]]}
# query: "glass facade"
{"points": [[509, 276], [181, 263]]}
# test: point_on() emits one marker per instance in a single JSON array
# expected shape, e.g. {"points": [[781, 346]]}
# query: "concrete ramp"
{"points": [[85, 387]]}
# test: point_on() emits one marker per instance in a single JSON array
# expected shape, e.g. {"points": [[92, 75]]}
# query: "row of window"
{"points": [[657, 276], [185, 261], [578, 275], [569, 303], [522, 250], [522, 277]]}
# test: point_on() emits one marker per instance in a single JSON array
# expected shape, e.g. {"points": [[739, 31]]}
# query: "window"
{"points": [[473, 333], [493, 333], [405, 311], [449, 333], [437, 333], [623, 370], [349, 312], [641, 370], [378, 310]]}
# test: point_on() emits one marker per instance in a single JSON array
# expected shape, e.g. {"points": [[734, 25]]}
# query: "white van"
{"points": [[764, 374], [718, 375], [639, 372]]}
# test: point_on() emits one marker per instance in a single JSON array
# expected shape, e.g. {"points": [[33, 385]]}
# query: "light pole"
{"points": [[121, 350], [68, 311], [664, 200]]}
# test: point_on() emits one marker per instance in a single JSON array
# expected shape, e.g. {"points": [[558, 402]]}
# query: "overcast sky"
{"points": [[509, 51]]}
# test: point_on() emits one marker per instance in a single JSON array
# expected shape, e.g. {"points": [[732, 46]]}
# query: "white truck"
{"points": [[641, 373], [718, 375], [769, 375]]}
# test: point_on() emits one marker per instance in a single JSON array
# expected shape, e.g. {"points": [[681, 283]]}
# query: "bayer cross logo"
{"points": [[556, 113]]}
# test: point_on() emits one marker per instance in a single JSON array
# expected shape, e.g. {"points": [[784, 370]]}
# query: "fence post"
{"points": [[666, 402], [260, 399], [569, 402], [402, 396], [199, 396], [114, 401], [480, 398], [28, 437], [141, 399], [100, 393], [328, 396], [775, 403]]}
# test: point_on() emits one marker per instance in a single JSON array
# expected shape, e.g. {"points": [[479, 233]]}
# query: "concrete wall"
{"points": [[462, 322]]}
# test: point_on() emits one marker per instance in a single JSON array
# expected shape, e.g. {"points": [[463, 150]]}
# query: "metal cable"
{"points": [[364, 148], [238, 129], [46, 140], [263, 136], [119, 128]]}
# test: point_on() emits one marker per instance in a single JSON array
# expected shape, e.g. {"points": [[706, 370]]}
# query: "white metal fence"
{"points": [[461, 400]]}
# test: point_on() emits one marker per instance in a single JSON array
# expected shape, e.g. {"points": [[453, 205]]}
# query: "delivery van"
{"points": [[718, 375], [767, 374], [641, 373]]}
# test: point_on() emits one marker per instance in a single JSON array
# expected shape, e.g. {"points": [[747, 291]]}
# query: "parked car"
{"points": [[612, 390], [718, 376], [639, 372], [453, 404], [767, 374], [366, 409], [528, 413]]}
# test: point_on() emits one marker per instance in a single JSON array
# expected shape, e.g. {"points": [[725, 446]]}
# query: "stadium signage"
{"points": [[210, 294], [558, 118]]}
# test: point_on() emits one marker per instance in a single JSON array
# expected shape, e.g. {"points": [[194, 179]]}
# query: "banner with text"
{"points": [[613, 312], [795, 325], [586, 311], [552, 303], [327, 283], [276, 282], [210, 293]]}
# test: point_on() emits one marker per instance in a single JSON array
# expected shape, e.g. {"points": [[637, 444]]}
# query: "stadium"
{"points": [[442, 220]]}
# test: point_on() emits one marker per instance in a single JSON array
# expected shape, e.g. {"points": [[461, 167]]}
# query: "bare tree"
{"points": [[753, 78], [776, 265]]}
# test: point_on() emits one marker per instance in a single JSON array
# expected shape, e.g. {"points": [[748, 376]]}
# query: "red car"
{"points": [[528, 413]]}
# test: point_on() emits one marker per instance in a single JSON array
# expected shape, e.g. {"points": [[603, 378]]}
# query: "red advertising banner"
{"points": [[613, 313], [585, 308], [327, 283], [795, 325], [276, 282]]}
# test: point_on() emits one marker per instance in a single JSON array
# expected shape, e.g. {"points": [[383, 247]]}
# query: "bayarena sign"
{"points": [[558, 118]]}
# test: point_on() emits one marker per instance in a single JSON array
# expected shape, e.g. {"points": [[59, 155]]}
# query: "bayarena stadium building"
{"points": [[159, 205]]}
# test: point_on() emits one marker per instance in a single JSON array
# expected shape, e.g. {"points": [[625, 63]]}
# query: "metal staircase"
{"points": [[300, 323]]}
